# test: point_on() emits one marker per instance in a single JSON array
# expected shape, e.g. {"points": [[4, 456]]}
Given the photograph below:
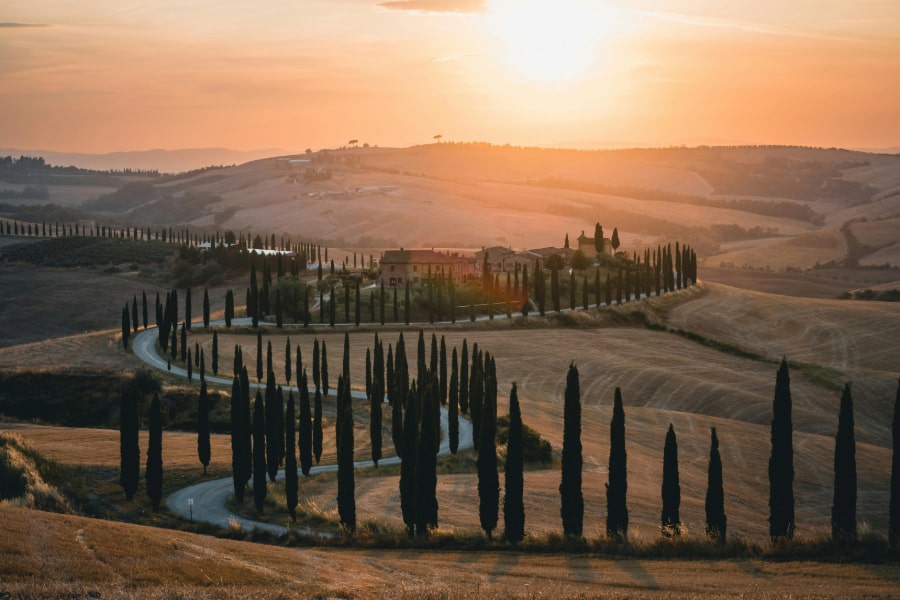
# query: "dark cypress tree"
{"points": [[464, 379], [247, 429], [617, 487], [259, 453], [215, 353], [476, 393], [154, 473], [671, 487], [426, 462], [126, 327], [398, 399], [190, 366], [144, 309], [229, 307], [317, 425], [317, 377], [615, 239], [514, 483], [346, 495], [572, 500], [129, 448], [203, 446], [453, 408], [238, 438], [269, 364], [442, 371], [134, 313], [324, 368], [843, 510], [288, 362], [206, 307], [290, 458], [408, 456], [259, 357], [894, 524], [187, 309], [273, 453], [716, 521], [305, 428], [554, 287], [377, 400], [488, 478], [781, 461]]}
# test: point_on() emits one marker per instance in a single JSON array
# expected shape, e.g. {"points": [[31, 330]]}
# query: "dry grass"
{"points": [[45, 555], [803, 252]]}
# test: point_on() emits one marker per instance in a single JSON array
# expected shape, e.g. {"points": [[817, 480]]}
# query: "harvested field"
{"points": [[801, 252], [46, 555], [803, 285]]}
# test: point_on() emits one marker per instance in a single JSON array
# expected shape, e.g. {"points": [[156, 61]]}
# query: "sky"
{"points": [[97, 76]]}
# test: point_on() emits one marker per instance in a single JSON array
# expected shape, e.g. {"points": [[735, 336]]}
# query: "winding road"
{"points": [[205, 502]]}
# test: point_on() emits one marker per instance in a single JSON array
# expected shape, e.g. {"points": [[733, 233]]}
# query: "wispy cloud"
{"points": [[16, 25], [436, 6]]}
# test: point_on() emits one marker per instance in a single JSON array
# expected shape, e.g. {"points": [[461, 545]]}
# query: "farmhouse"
{"points": [[588, 247], [414, 266], [499, 259], [542, 254]]}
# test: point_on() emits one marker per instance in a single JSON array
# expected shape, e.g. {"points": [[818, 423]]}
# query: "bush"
{"points": [[536, 450]]}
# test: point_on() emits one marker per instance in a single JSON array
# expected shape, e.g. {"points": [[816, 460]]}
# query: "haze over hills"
{"points": [[164, 161]]}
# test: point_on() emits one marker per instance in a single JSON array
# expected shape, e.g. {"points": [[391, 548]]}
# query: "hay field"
{"points": [[46, 555], [803, 252]]}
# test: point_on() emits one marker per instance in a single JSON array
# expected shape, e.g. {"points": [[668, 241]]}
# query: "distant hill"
{"points": [[164, 161]]}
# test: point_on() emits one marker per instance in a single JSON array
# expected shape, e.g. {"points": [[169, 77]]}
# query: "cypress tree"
{"points": [[290, 458], [134, 313], [716, 521], [154, 472], [187, 309], [215, 353], [554, 287], [406, 304], [238, 438], [324, 368], [843, 510], [514, 483], [203, 446], [464, 379], [488, 478], [572, 500], [671, 487], [426, 462], [781, 461], [398, 397], [305, 428], [442, 371], [476, 393], [894, 524], [377, 401], [126, 327], [273, 453], [229, 307], [617, 487], [206, 307], [288, 362], [144, 309], [259, 357], [129, 448], [453, 408], [357, 308], [190, 366], [346, 499], [247, 429], [317, 426], [259, 453], [317, 379], [269, 364], [369, 373], [408, 456]]}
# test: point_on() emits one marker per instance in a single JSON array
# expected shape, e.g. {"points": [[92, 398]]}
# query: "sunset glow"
{"points": [[291, 75]]}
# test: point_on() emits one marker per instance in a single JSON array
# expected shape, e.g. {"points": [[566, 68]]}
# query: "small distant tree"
{"points": [[229, 307], [154, 473], [598, 238], [716, 521], [572, 500], [843, 509], [671, 487], [144, 309], [187, 309], [615, 239], [317, 426], [453, 404]]}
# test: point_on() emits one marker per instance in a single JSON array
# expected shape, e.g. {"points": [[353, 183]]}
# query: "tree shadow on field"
{"points": [[580, 568], [506, 562], [751, 568], [635, 568]]}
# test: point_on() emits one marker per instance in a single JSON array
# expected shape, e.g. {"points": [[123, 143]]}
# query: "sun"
{"points": [[549, 41]]}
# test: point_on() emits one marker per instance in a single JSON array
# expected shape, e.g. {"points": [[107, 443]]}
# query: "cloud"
{"points": [[12, 25], [436, 6]]}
